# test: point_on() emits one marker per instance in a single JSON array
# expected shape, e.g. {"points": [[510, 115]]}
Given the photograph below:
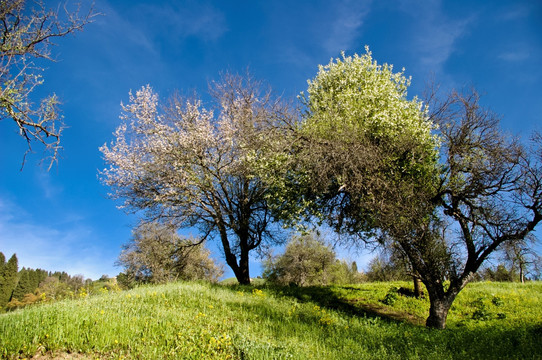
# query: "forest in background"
{"points": [[20, 288]]}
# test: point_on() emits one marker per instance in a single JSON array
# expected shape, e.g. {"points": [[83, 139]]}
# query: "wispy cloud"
{"points": [[118, 31], [187, 20], [315, 34], [45, 183], [515, 12], [514, 56], [436, 34], [346, 24], [67, 246]]}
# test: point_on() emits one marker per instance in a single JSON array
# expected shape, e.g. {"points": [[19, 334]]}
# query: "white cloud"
{"points": [[436, 34], [50, 190], [516, 12], [514, 56], [117, 31], [198, 20], [53, 247], [346, 25], [317, 34]]}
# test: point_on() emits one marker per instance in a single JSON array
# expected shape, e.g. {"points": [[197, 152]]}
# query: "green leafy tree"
{"points": [[156, 253], [499, 273], [29, 281], [2, 275], [361, 139], [368, 164], [54, 289], [308, 260], [27, 34], [387, 267]]}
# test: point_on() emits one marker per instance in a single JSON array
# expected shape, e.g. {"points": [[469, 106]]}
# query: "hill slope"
{"points": [[198, 320]]}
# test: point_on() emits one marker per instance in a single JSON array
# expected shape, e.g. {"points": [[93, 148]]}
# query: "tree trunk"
{"points": [[240, 270], [438, 312], [417, 287], [244, 275]]}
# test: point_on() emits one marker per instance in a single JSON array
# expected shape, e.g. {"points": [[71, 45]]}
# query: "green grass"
{"points": [[204, 321]]}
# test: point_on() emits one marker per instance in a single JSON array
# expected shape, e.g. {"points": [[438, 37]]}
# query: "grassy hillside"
{"points": [[203, 321]]}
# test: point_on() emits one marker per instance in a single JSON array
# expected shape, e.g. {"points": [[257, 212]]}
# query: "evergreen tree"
{"points": [[24, 285], [39, 277], [8, 279], [2, 278]]}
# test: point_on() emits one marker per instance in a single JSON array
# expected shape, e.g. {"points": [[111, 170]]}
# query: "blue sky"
{"points": [[63, 220]]}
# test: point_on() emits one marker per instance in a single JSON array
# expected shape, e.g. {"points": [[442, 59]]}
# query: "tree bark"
{"points": [[417, 287], [244, 275], [441, 302], [240, 270], [438, 313]]}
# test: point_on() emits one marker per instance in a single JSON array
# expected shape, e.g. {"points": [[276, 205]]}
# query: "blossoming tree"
{"points": [[191, 166]]}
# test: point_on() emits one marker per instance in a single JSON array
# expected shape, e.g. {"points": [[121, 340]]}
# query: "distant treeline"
{"points": [[29, 286]]}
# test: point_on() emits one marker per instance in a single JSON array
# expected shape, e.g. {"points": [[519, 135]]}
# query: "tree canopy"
{"points": [[308, 261], [191, 166], [439, 182], [360, 151], [389, 171], [157, 254]]}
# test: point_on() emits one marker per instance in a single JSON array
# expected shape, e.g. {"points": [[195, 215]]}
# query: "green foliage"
{"points": [[355, 102], [24, 285], [391, 297], [307, 261], [200, 320], [8, 279], [3, 288], [500, 273], [354, 98], [485, 309], [497, 301], [31, 286], [157, 254], [386, 268], [481, 312], [54, 288], [360, 139]]}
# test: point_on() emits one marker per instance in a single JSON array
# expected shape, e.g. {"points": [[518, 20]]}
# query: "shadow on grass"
{"points": [[327, 298], [408, 338]]}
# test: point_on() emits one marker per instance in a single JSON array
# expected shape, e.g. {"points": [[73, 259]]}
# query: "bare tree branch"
{"points": [[28, 34]]}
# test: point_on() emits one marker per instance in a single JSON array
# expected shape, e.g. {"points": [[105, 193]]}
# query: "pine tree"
{"points": [[3, 289], [40, 276], [8, 279], [24, 286]]}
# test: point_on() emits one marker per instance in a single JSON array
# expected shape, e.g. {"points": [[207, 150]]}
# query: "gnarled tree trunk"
{"points": [[441, 301], [438, 313]]}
